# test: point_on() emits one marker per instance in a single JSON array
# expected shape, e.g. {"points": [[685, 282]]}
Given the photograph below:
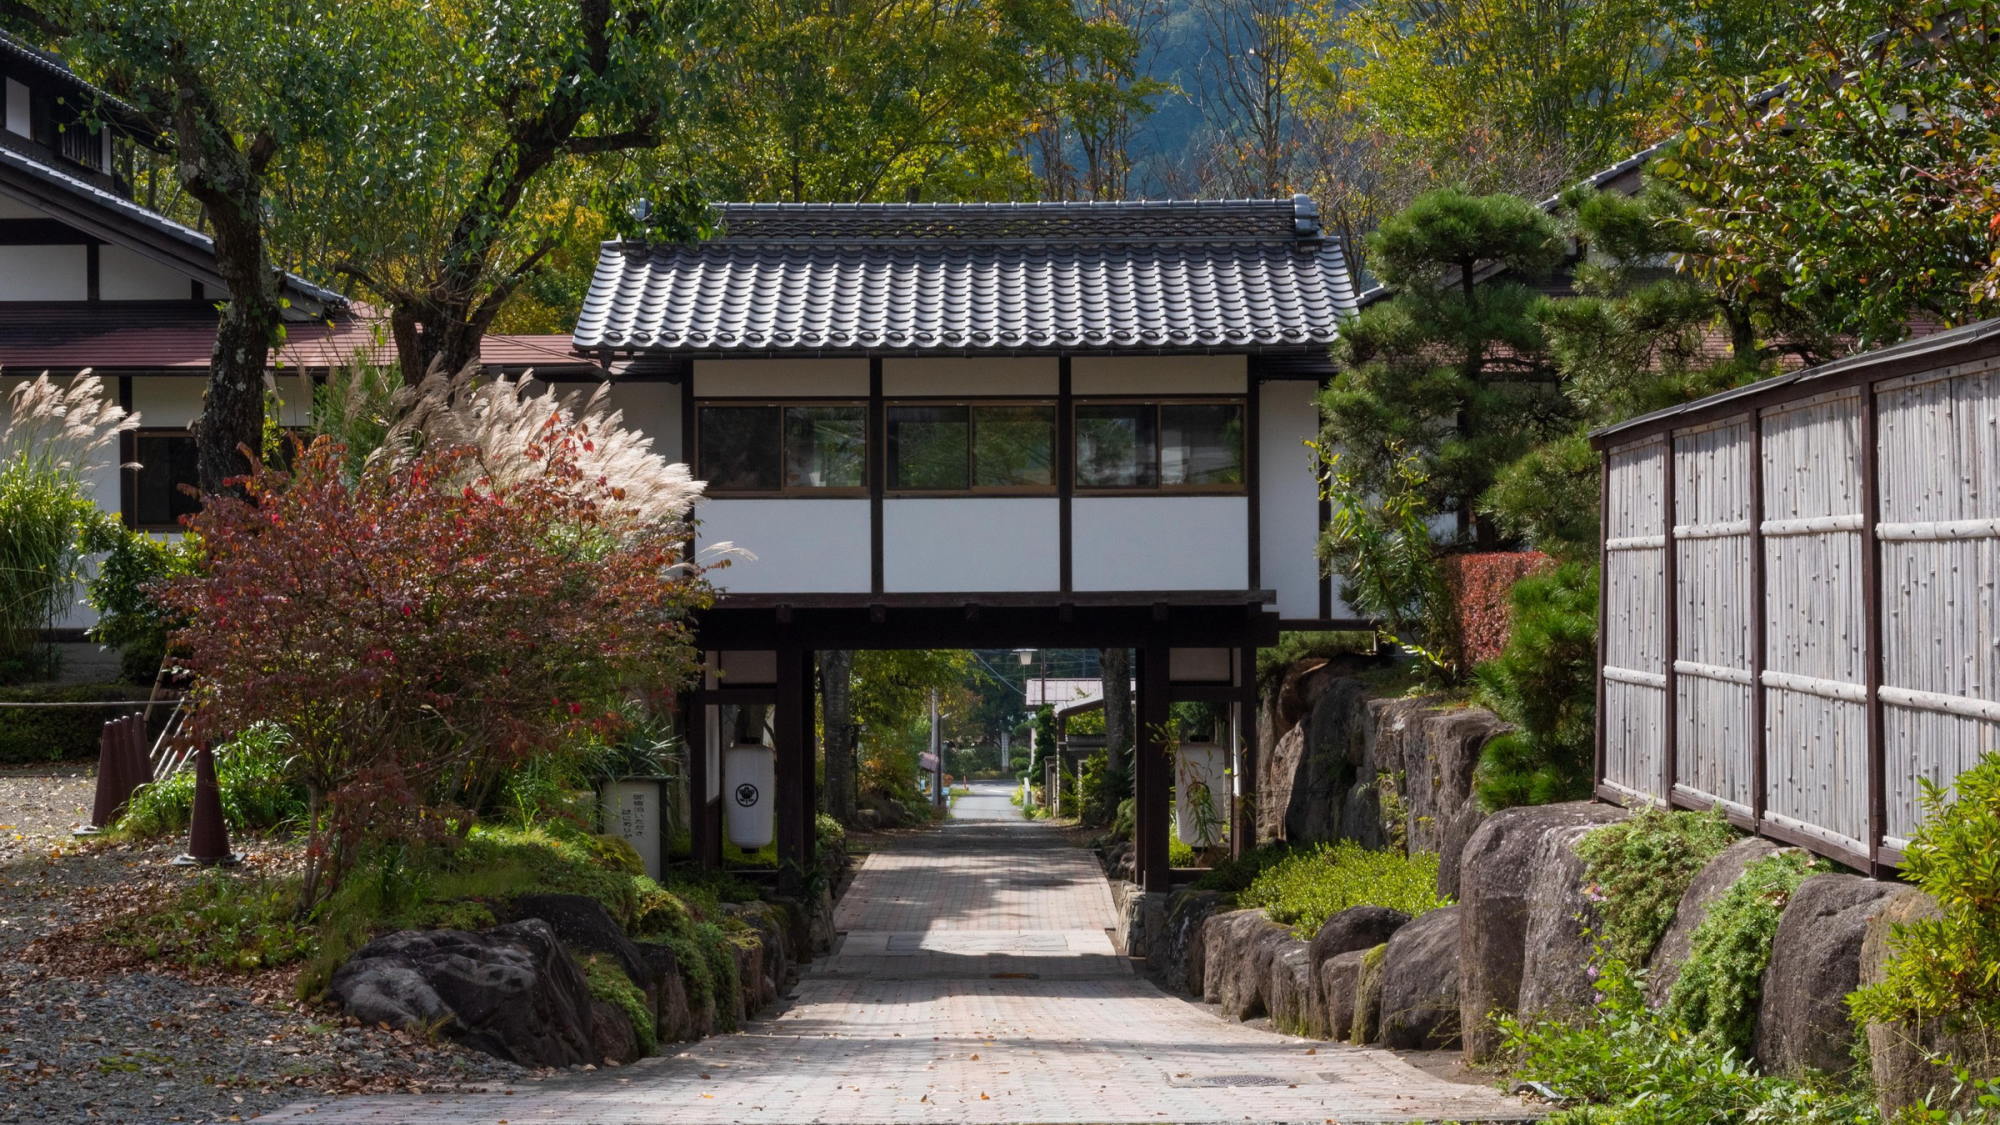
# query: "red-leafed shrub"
{"points": [[425, 626], [1479, 586]]}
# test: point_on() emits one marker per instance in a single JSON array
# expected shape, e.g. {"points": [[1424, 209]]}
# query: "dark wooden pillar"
{"points": [[793, 722], [809, 757], [1152, 770], [704, 819], [1243, 803]]}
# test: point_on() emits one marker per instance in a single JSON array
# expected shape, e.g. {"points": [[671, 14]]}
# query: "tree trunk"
{"points": [[1117, 669], [229, 183], [836, 682]]}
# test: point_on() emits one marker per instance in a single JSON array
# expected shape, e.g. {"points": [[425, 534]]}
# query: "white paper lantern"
{"points": [[749, 788]]}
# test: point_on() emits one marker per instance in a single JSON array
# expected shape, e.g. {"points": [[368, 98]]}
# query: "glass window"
{"points": [[1201, 444], [927, 447], [1115, 446], [1013, 446], [741, 448], [825, 446], [166, 462]]}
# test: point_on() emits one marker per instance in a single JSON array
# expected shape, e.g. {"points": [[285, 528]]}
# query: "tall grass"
{"points": [[55, 436]]}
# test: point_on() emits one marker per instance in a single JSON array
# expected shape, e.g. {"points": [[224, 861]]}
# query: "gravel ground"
{"points": [[90, 1034]]}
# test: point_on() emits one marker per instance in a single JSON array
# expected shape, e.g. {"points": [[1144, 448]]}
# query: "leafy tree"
{"points": [[497, 145], [1855, 178], [1501, 95], [423, 630], [1450, 371], [1094, 97], [236, 87], [898, 99]]}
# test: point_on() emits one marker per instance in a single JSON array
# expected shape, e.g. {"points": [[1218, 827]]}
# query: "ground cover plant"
{"points": [[1716, 994], [1306, 887], [1638, 869]]}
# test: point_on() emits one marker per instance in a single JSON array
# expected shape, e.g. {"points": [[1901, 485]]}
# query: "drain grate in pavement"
{"points": [[1204, 1081], [1014, 976]]}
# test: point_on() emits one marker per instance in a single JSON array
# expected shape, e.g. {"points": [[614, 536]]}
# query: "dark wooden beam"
{"points": [[1871, 657], [694, 738], [1065, 472], [1243, 805], [790, 727], [1152, 771]]}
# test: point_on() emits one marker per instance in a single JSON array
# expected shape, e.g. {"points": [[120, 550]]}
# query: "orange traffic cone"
{"points": [[208, 834]]}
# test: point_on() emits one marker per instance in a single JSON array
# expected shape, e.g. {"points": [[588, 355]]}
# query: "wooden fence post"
{"points": [[1671, 628], [1759, 614], [1871, 603]]}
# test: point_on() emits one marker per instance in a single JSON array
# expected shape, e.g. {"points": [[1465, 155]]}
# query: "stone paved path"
{"points": [[976, 983]]}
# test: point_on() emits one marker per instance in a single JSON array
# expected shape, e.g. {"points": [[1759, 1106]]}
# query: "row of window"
{"points": [[932, 448], [766, 449]]}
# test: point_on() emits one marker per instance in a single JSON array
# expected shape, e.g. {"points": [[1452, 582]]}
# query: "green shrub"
{"points": [[59, 734], [609, 983], [1716, 994], [1948, 967], [1307, 887], [253, 771], [1544, 682], [1640, 867], [831, 837], [1634, 1066], [1102, 792], [129, 618]]}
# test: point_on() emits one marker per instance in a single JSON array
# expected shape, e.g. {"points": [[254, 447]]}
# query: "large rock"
{"points": [[1292, 994], [1802, 1021], [1357, 927], [1437, 771], [1236, 960], [1367, 1024], [1334, 731], [1420, 983], [673, 1018], [1715, 877], [1555, 976], [1457, 833], [1496, 874], [511, 991], [1178, 957], [1901, 1056], [583, 923], [1142, 919], [1339, 981]]}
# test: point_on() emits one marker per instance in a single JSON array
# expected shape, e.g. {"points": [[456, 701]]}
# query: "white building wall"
{"points": [[125, 276], [654, 409], [971, 377], [801, 546], [1288, 513], [1160, 543], [1159, 376], [781, 378], [44, 273], [975, 545]]}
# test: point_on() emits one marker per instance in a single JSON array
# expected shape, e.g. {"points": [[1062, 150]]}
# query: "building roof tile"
{"points": [[830, 278]]}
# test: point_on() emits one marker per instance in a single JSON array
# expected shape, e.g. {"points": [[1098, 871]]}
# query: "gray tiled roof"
{"points": [[820, 278]]}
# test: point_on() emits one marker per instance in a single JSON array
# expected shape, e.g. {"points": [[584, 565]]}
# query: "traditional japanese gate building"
{"points": [[957, 426]]}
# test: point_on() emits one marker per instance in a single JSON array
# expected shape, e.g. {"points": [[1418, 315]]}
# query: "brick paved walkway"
{"points": [[976, 983]]}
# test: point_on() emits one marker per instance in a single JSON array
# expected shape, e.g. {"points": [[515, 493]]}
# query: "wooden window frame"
{"points": [[971, 444], [1240, 488], [786, 492]]}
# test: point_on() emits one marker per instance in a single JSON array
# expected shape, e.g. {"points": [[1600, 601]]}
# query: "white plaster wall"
{"points": [[802, 546], [1160, 543], [19, 120], [168, 402], [971, 544], [654, 409], [1160, 375], [126, 276], [44, 273], [1288, 519], [790, 378], [970, 377]]}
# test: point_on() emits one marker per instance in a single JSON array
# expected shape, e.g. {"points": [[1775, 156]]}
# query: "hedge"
{"points": [[1480, 585], [56, 734]]}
